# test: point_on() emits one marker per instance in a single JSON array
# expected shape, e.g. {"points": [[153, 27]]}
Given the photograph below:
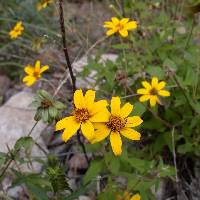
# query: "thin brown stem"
{"points": [[62, 27], [69, 66], [167, 124]]}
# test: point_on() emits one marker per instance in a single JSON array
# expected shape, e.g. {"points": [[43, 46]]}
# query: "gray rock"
{"points": [[90, 81], [16, 120], [84, 198], [4, 84]]}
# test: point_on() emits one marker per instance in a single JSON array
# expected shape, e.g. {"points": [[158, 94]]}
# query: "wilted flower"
{"points": [[85, 112], [152, 91], [48, 109], [16, 30], [121, 26], [118, 124], [33, 73]]}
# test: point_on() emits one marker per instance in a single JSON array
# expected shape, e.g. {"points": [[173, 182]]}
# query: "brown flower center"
{"points": [[120, 26], [116, 123], [81, 114], [46, 103], [153, 91], [36, 74]]}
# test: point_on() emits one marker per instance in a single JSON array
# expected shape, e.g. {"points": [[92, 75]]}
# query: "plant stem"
{"points": [[167, 124], [33, 128], [6, 167], [62, 27], [69, 66], [190, 34], [174, 155]]}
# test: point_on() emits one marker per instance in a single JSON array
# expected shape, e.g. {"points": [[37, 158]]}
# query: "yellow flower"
{"points": [[17, 30], [43, 4], [33, 73], [124, 196], [136, 197], [153, 91], [118, 124], [122, 26], [85, 112]]}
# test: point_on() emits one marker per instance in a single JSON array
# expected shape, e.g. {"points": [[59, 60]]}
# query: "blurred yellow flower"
{"points": [[33, 73], [136, 197], [118, 124], [85, 112], [43, 4], [121, 26], [16, 30], [152, 91], [124, 196]]}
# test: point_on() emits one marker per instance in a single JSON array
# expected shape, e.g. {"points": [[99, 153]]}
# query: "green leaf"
{"points": [[25, 142], [139, 109], [59, 105], [53, 112], [2, 158], [121, 46], [156, 71], [38, 192], [94, 169], [169, 64]]}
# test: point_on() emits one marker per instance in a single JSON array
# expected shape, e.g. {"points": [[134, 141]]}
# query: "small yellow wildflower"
{"points": [[85, 112], [136, 197], [43, 4], [33, 73], [122, 26], [16, 30], [118, 124], [153, 91]]}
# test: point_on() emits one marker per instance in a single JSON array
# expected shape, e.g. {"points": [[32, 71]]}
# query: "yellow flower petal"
{"points": [[70, 131], [29, 70], [115, 105], [126, 110], [116, 143], [115, 20], [133, 121], [109, 25], [130, 134], [67, 122], [164, 93], [161, 85], [29, 80], [37, 66], [123, 32], [79, 99], [87, 129], [144, 98], [136, 197], [44, 68], [102, 116], [98, 106], [142, 91], [146, 85], [153, 100], [111, 32], [131, 25], [154, 82], [124, 21], [89, 98], [101, 133]]}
